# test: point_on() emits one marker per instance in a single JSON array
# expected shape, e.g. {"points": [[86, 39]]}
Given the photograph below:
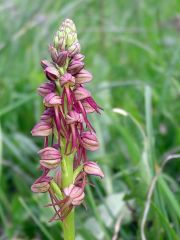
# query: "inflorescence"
{"points": [[64, 124]]}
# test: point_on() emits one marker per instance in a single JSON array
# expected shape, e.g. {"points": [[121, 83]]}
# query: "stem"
{"points": [[67, 179]]}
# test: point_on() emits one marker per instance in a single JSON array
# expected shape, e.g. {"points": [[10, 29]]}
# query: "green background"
{"points": [[132, 49]]}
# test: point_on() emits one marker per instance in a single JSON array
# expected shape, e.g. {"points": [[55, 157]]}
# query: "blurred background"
{"points": [[132, 48]]}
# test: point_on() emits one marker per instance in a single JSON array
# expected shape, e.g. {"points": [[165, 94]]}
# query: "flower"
{"points": [[52, 73], [83, 76], [89, 141], [46, 88], [64, 124], [76, 194], [50, 157], [42, 129], [93, 169]]}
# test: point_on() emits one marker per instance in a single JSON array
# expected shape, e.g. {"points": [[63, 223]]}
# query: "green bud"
{"points": [[56, 41]]}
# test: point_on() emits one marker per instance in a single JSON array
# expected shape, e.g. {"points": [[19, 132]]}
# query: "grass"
{"points": [[132, 49]]}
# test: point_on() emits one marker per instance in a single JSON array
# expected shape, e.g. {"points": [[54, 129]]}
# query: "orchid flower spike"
{"points": [[68, 133]]}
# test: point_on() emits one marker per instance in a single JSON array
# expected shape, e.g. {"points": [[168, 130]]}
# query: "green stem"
{"points": [[67, 179]]}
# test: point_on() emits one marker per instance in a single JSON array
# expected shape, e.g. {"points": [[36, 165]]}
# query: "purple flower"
{"points": [[83, 76], [52, 73], [64, 124], [46, 88]]}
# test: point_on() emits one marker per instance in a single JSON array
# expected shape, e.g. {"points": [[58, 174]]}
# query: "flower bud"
{"points": [[54, 53], [75, 66], [74, 49], [52, 99], [76, 194], [47, 115], [42, 129], [83, 77], [74, 117], [50, 157], [68, 25], [46, 88], [78, 57], [71, 38], [89, 141], [93, 169], [45, 63], [62, 57], [52, 73], [88, 108], [81, 93], [67, 78]]}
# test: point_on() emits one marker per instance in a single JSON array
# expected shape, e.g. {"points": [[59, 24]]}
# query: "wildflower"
{"points": [[93, 169], [65, 126]]}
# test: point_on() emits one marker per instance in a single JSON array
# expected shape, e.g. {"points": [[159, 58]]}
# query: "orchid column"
{"points": [[67, 132]]}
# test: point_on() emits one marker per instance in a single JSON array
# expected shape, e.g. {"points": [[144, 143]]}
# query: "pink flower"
{"points": [[93, 169], [52, 73], [89, 141], [76, 194], [83, 76], [50, 157], [42, 129]]}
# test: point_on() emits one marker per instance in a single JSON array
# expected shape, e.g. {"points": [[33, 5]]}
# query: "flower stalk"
{"points": [[66, 129]]}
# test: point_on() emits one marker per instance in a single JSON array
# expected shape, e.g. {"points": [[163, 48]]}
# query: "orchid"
{"points": [[67, 131]]}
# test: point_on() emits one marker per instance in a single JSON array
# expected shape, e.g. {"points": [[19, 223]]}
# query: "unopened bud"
{"points": [[78, 57], [62, 58], [54, 53], [74, 49], [75, 66]]}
